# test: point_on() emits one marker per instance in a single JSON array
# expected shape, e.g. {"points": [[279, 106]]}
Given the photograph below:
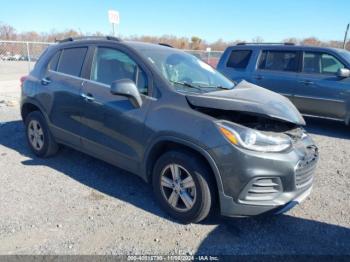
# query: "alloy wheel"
{"points": [[178, 187], [36, 135]]}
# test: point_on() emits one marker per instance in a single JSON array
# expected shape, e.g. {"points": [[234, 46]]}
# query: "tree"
{"points": [[7, 32], [195, 42], [291, 40], [219, 45], [311, 41], [258, 39]]}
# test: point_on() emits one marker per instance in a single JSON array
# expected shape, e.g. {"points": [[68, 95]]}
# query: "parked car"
{"points": [[23, 58], [315, 79], [15, 57], [172, 119]]}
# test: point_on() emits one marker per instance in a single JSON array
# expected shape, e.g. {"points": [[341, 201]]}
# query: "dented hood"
{"points": [[250, 98]]}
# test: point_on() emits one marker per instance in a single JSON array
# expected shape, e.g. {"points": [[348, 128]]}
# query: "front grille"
{"points": [[305, 167], [263, 189]]}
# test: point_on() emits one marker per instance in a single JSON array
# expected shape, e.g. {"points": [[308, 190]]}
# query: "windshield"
{"points": [[185, 71]]}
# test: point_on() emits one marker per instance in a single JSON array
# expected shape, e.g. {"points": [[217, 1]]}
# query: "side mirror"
{"points": [[126, 87], [343, 73]]}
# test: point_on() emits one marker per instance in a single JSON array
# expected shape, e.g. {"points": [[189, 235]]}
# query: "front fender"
{"points": [[185, 143]]}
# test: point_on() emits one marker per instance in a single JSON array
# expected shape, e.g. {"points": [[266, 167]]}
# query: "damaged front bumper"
{"points": [[255, 183]]}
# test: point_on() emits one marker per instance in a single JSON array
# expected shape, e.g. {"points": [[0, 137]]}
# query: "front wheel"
{"points": [[183, 186]]}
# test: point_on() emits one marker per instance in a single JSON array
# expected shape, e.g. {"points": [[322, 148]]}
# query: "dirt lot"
{"points": [[74, 204]]}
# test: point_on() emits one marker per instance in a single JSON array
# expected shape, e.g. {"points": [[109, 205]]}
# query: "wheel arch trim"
{"points": [[33, 102], [185, 143]]}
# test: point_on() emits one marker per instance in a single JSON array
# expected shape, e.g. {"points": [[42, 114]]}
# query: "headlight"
{"points": [[252, 139]]}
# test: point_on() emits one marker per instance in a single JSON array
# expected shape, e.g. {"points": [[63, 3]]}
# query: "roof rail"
{"points": [[164, 44], [80, 38], [245, 43]]}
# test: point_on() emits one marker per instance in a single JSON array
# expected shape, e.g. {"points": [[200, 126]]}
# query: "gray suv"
{"points": [[315, 79], [155, 111]]}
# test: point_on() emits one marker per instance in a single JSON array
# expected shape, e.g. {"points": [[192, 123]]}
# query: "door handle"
{"points": [[306, 82], [258, 77], [45, 81], [88, 97]]}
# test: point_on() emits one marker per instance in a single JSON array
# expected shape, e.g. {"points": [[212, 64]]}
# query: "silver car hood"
{"points": [[247, 97]]}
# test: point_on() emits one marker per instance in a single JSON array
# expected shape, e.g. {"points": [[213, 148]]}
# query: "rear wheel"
{"points": [[39, 137], [183, 186]]}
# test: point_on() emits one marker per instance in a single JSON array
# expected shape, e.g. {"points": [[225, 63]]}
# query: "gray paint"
{"points": [[85, 115], [246, 97]]}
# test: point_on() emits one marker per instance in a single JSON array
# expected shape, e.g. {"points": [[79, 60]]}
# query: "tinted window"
{"points": [[239, 59], [110, 65], [54, 61], [321, 63], [279, 60], [71, 61]]}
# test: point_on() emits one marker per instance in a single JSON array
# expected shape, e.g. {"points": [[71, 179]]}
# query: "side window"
{"points": [[110, 65], [54, 61], [320, 63], [330, 65], [279, 61], [239, 59], [312, 63], [71, 61]]}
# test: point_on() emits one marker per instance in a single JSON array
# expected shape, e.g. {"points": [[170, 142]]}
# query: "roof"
{"points": [[283, 47], [110, 40]]}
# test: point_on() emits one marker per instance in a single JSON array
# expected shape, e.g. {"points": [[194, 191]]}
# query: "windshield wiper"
{"points": [[218, 87], [186, 84]]}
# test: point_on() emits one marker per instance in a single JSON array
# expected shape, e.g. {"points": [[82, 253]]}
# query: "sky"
{"points": [[273, 20]]}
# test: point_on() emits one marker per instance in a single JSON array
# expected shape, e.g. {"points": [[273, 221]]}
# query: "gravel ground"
{"points": [[74, 204]]}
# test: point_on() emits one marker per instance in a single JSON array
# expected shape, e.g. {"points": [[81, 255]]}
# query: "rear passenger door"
{"points": [[64, 82], [112, 126], [320, 92], [276, 70]]}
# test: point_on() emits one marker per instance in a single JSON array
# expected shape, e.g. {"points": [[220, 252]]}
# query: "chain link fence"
{"points": [[21, 51], [19, 57]]}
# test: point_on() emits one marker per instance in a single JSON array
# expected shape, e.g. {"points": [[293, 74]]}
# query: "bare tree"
{"points": [[258, 39], [7, 32], [311, 41], [219, 45], [291, 40]]}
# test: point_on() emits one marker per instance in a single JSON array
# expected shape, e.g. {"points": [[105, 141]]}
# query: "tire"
{"points": [[47, 147], [202, 190]]}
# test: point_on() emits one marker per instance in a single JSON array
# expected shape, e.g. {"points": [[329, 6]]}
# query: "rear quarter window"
{"points": [[54, 61], [72, 60], [239, 59]]}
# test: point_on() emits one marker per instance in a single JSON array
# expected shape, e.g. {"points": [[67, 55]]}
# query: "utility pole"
{"points": [[346, 36]]}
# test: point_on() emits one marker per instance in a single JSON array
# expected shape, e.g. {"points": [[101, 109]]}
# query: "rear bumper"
{"points": [[255, 183]]}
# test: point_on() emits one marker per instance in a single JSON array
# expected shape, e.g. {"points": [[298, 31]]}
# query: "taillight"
{"points": [[22, 79]]}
